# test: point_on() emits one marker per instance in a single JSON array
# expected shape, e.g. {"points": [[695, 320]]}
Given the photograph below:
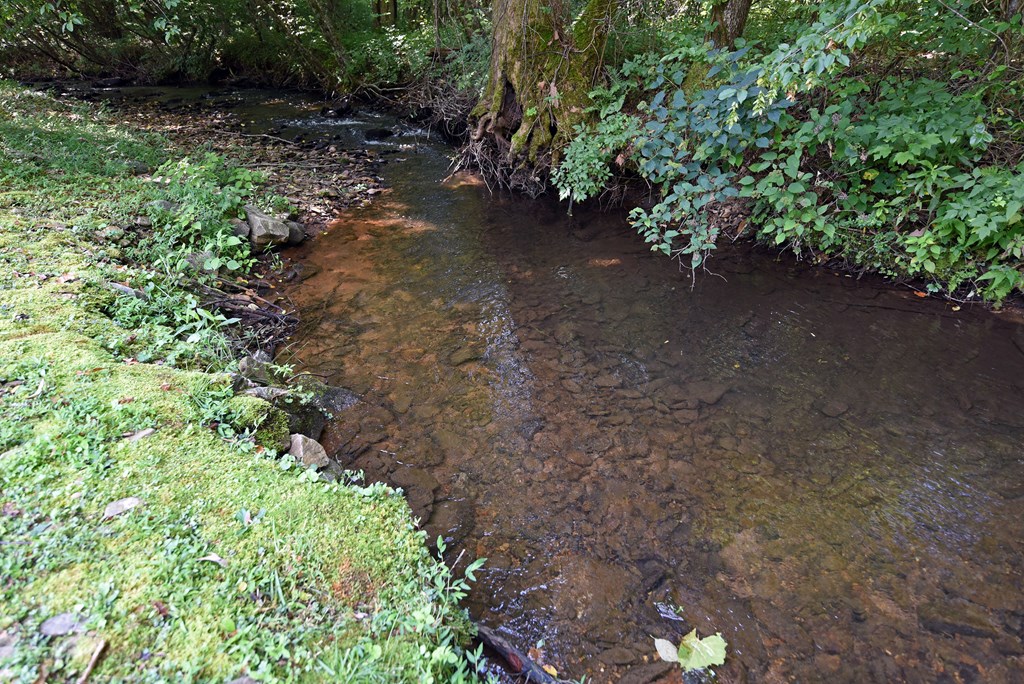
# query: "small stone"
{"points": [[198, 261], [264, 230], [163, 205], [579, 457], [240, 228], [708, 392], [116, 508], [62, 625], [296, 232], [617, 655], [463, 355], [308, 451], [257, 368], [266, 393], [833, 408], [572, 386]]}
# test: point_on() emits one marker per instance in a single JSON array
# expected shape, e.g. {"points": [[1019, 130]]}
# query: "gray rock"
{"points": [[264, 230], [257, 368], [62, 625], [197, 260], [270, 394], [296, 232], [333, 400], [308, 451], [163, 205], [833, 408], [116, 508], [240, 228]]}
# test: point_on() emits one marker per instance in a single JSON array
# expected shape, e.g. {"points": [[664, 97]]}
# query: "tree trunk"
{"points": [[543, 64], [730, 19]]}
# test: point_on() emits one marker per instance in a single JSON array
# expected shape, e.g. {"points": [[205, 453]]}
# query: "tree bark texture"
{"points": [[543, 65], [730, 19]]}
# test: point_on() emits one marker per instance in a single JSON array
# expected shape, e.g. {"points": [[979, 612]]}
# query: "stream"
{"points": [[828, 471]]}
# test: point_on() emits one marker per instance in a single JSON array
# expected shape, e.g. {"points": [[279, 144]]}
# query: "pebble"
{"points": [[63, 624]]}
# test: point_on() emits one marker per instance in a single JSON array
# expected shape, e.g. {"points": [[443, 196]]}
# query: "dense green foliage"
{"points": [[329, 45], [234, 561], [886, 134]]}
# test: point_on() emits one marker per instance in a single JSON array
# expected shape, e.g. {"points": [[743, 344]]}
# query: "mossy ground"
{"points": [[237, 562]]}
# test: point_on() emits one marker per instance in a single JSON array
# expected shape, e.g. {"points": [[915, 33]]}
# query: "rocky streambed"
{"points": [[825, 470]]}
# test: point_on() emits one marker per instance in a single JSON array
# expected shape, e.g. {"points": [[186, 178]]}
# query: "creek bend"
{"points": [[829, 472]]}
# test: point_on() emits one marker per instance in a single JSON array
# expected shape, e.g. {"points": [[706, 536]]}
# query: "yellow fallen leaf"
{"points": [[551, 670]]}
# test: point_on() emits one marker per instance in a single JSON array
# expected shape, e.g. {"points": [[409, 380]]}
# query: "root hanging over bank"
{"points": [[485, 156]]}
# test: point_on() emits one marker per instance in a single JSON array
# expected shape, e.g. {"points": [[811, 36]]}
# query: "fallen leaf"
{"points": [[667, 651], [550, 670], [141, 434], [214, 558], [161, 608], [166, 386], [921, 294], [120, 506], [125, 400]]}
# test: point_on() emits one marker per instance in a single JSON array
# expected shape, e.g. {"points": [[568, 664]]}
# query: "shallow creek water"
{"points": [[829, 472]]}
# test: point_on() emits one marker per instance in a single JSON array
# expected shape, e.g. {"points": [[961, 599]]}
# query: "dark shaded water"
{"points": [[829, 472]]}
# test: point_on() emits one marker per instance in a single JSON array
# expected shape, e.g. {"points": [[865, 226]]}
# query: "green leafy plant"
{"points": [[693, 652]]}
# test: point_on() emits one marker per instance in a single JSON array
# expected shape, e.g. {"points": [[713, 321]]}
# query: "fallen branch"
{"points": [[92, 661], [518, 661]]}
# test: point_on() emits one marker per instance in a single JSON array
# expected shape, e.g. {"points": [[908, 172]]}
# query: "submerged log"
{"points": [[518, 662]]}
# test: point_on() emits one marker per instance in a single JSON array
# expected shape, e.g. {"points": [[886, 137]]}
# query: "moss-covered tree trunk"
{"points": [[730, 18], [543, 64]]}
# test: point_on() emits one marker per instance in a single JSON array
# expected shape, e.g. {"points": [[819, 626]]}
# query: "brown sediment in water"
{"points": [[826, 471]]}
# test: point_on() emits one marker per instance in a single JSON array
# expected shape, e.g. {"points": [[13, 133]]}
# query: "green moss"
{"points": [[233, 563], [268, 424]]}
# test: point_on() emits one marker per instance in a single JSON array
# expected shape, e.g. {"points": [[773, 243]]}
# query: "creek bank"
{"points": [[135, 499]]}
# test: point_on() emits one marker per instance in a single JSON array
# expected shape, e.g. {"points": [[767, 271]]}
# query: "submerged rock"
{"points": [[957, 617], [378, 133]]}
